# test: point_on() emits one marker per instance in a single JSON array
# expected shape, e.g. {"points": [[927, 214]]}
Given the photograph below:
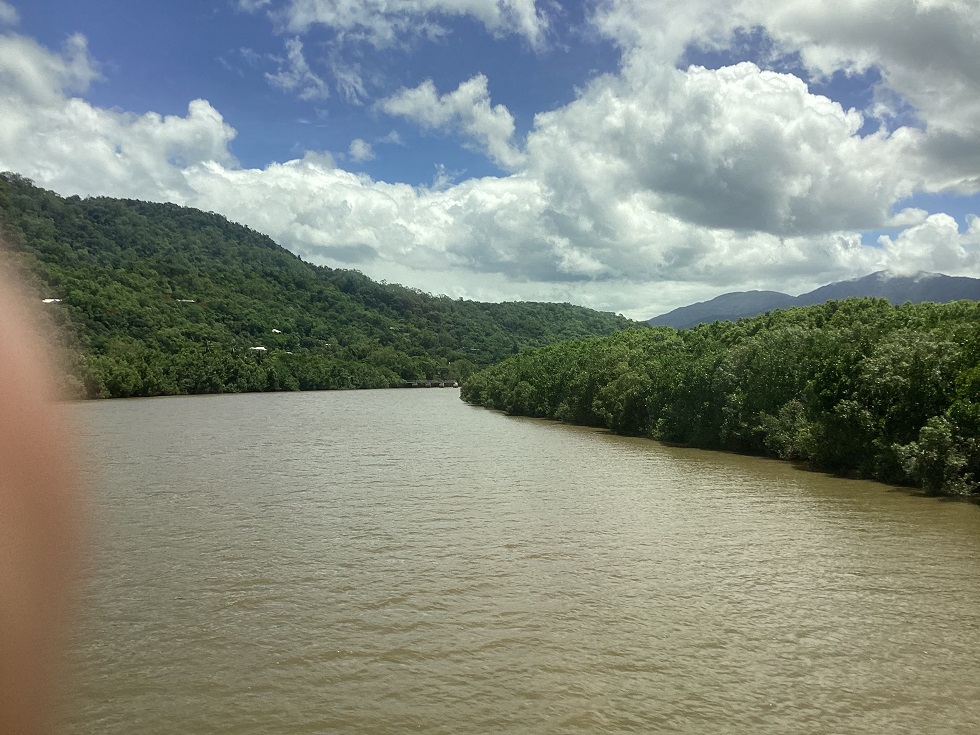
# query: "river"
{"points": [[397, 561]]}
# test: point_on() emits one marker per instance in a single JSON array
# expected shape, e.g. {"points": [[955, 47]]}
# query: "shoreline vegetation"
{"points": [[858, 388], [158, 299]]}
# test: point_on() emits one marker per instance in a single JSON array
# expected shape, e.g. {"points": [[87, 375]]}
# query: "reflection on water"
{"points": [[392, 561]]}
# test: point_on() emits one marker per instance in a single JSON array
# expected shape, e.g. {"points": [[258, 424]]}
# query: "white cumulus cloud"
{"points": [[467, 109], [62, 141], [935, 245], [360, 150], [737, 148], [927, 53], [31, 73]]}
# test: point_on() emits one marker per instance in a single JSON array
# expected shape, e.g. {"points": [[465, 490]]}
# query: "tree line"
{"points": [[158, 299], [858, 387]]}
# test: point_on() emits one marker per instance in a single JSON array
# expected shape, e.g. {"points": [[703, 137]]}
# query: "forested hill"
{"points": [[159, 299], [858, 387]]}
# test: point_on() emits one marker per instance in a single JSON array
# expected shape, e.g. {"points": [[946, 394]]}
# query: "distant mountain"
{"points": [[727, 307], [898, 289], [883, 284]]}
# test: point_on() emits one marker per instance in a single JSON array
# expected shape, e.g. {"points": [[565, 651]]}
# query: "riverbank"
{"points": [[857, 388]]}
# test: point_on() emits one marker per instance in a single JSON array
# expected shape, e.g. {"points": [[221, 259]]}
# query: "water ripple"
{"points": [[307, 564]]}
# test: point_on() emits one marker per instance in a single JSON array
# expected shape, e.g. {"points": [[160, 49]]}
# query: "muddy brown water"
{"points": [[397, 561]]}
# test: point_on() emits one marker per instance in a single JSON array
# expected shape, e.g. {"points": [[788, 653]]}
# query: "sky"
{"points": [[627, 155]]}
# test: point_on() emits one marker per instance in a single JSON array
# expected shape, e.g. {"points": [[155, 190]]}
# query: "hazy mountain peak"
{"points": [[894, 286]]}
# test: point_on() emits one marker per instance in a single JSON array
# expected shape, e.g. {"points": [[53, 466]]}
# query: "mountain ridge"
{"points": [[916, 288]]}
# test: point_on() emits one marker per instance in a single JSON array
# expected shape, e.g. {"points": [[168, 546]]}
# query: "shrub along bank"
{"points": [[857, 387]]}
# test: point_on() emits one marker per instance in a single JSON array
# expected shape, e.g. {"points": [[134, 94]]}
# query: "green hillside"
{"points": [[158, 299]]}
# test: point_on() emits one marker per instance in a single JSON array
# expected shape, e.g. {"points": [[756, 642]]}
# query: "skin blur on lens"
{"points": [[38, 519]]}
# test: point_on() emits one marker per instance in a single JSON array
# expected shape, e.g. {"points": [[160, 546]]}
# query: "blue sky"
{"points": [[627, 155], [158, 56]]}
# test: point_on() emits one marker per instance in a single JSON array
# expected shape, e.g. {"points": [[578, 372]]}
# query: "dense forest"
{"points": [[858, 387], [157, 299]]}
